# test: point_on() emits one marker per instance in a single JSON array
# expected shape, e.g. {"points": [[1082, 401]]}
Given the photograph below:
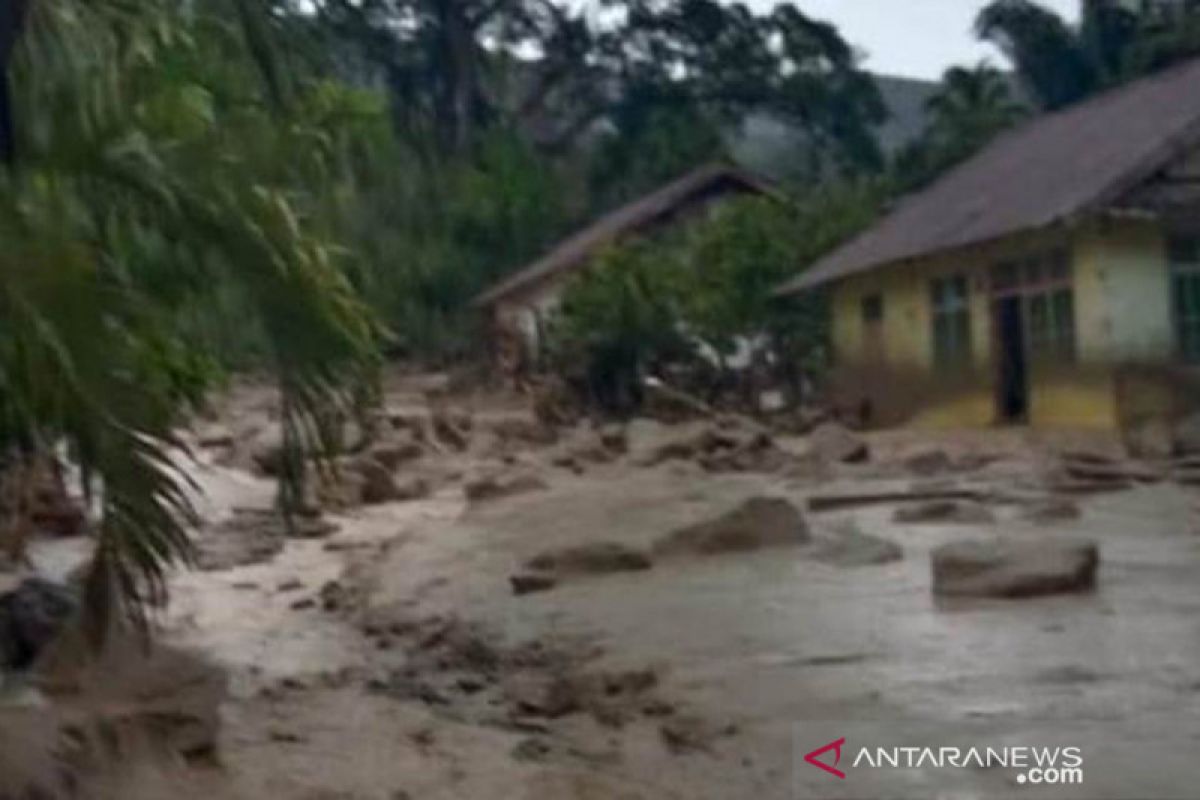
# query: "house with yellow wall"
{"points": [[1052, 279]]}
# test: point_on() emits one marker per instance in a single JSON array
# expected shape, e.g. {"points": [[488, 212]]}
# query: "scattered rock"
{"points": [[453, 426], [531, 749], [532, 582], [596, 558], [945, 512], [1014, 569], [494, 487], [687, 734], [31, 616], [759, 522], [615, 438], [378, 485], [849, 547], [835, 443], [550, 696]]}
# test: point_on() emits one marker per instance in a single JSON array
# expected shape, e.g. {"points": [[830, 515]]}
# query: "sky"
{"points": [[914, 38]]}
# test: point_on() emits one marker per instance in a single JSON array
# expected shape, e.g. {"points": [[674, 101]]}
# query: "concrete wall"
{"points": [[1122, 316]]}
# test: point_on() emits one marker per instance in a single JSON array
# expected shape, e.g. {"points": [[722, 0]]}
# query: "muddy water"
{"points": [[793, 652]]}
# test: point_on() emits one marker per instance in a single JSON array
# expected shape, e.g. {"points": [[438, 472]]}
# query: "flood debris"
{"points": [[836, 444], [846, 546], [31, 616], [496, 486], [757, 523], [840, 501], [944, 512], [594, 558], [1014, 569]]}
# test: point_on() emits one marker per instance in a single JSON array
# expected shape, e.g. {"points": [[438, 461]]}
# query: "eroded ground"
{"points": [[393, 658]]}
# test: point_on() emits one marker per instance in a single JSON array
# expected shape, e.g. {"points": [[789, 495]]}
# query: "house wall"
{"points": [[1122, 316]]}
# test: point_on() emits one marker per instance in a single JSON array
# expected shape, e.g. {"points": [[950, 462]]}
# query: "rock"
{"points": [[1014, 569], [1150, 439], [537, 695], [1187, 435], [413, 488], [392, 454], [1051, 511], [944, 512], [614, 438], [929, 462], [532, 582], [759, 522], [596, 558], [494, 487], [834, 443], [31, 616], [214, 437], [378, 485], [453, 427], [266, 451], [850, 547]]}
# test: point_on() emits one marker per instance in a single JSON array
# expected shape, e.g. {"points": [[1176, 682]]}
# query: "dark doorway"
{"points": [[1012, 387]]}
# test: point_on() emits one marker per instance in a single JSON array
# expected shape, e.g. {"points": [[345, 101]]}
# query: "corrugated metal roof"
{"points": [[574, 251], [1055, 168]]}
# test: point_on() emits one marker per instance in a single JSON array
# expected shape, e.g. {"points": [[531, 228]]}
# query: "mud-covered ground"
{"points": [[511, 616]]}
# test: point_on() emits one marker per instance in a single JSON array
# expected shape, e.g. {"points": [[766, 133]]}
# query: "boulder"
{"points": [[835, 443], [850, 547], [944, 512], [594, 558], [31, 616], [378, 485], [1014, 569], [266, 451], [392, 454], [531, 582], [758, 523]]}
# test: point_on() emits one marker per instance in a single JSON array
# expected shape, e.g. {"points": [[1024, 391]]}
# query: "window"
{"points": [[951, 322], [1052, 325], [1043, 283], [1185, 289], [872, 309]]}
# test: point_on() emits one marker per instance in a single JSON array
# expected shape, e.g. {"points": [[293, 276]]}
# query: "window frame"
{"points": [[1183, 258], [950, 321]]}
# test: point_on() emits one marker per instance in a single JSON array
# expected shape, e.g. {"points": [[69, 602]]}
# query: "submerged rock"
{"points": [[944, 512], [835, 443], [850, 547], [595, 558], [1014, 569]]}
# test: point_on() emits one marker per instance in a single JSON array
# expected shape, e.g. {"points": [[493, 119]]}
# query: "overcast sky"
{"points": [[917, 38]]}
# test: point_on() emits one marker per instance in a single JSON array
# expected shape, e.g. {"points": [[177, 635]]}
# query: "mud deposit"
{"points": [[697, 627]]}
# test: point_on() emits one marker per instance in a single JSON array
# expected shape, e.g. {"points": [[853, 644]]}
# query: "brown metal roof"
{"points": [[1053, 169], [574, 251]]}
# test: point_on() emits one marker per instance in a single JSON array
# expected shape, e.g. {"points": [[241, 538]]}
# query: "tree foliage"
{"points": [[1115, 41], [153, 173]]}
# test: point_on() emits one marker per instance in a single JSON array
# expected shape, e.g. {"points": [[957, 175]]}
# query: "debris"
{"points": [[757, 523], [1187, 435], [849, 547], [392, 454], [537, 695], [836, 502], [1014, 569], [1151, 439], [834, 443], [945, 512], [31, 616], [494, 487], [686, 734], [670, 404], [597, 558], [531, 582]]}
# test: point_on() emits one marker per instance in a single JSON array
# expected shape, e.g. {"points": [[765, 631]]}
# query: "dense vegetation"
{"points": [[191, 188]]}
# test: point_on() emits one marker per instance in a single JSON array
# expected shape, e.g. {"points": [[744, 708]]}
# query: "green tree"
{"points": [[1060, 64], [970, 107], [154, 172]]}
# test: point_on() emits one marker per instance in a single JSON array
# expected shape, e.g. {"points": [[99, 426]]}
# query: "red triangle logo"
{"points": [[836, 747]]}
